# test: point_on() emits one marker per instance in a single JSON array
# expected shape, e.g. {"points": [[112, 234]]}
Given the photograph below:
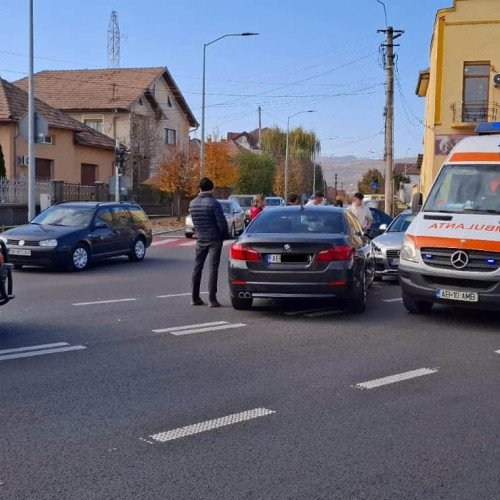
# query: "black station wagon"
{"points": [[71, 235]]}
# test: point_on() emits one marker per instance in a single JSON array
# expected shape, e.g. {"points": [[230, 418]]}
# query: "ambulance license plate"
{"points": [[456, 295]]}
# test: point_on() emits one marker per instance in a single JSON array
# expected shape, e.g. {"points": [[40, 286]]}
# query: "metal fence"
{"points": [[15, 191]]}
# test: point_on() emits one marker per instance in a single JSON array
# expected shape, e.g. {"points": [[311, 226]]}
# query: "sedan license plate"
{"points": [[395, 262], [19, 251], [456, 295], [274, 258]]}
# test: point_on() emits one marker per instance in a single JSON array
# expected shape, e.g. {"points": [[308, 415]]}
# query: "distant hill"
{"points": [[350, 169]]}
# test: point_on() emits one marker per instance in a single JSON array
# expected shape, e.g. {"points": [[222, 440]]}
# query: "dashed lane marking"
{"points": [[163, 437], [396, 378], [199, 328], [497, 352], [399, 299], [38, 350], [102, 302], [176, 295]]}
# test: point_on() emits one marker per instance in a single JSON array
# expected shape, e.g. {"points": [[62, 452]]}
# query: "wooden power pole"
{"points": [[391, 34]]}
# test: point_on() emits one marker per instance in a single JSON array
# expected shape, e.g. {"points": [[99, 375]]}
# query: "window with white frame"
{"points": [[170, 137], [95, 123]]}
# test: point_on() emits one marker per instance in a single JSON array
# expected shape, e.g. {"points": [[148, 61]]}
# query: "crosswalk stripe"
{"points": [[189, 327], [42, 352], [188, 244], [32, 348], [208, 425], [164, 241]]}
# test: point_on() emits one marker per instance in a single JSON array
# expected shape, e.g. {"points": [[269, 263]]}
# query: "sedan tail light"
{"points": [[341, 252], [239, 252]]}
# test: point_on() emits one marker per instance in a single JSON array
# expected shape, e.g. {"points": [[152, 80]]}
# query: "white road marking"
{"points": [[399, 299], [102, 302], [188, 244], [163, 241], [41, 352], [32, 348], [497, 352], [395, 378], [175, 295], [189, 327], [209, 425], [209, 329], [330, 312]]}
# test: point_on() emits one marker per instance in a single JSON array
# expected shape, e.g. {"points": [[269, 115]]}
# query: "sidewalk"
{"points": [[166, 224]]}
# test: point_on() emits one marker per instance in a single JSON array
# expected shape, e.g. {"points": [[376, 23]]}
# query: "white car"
{"points": [[275, 201], [235, 217]]}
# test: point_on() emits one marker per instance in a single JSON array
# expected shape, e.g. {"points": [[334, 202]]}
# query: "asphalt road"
{"points": [[134, 394]]}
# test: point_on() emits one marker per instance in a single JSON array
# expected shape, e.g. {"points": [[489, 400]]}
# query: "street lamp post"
{"points": [[205, 45], [286, 148]]}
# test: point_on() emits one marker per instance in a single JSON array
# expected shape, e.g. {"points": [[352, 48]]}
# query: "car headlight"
{"points": [[409, 250], [48, 243]]}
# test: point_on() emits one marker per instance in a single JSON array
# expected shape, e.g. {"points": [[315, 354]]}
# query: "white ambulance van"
{"points": [[451, 251]]}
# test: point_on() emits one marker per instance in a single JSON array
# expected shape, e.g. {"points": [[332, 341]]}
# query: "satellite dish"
{"points": [[496, 79]]}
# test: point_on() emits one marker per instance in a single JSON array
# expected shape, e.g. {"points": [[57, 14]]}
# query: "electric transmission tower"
{"points": [[113, 41]]}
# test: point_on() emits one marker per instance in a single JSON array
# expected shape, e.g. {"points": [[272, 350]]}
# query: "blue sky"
{"points": [[321, 55]]}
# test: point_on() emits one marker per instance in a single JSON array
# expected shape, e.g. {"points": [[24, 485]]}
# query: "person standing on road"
{"points": [[361, 212], [211, 229], [258, 205], [317, 200]]}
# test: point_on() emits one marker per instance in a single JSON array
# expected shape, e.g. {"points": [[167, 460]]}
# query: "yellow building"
{"points": [[461, 86]]}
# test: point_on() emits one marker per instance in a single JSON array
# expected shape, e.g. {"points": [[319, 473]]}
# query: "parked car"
{"points": [[387, 246], [302, 252], [6, 286], [73, 234], [379, 203], [234, 215], [275, 201], [245, 201]]}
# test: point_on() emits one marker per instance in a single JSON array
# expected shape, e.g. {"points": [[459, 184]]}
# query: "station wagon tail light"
{"points": [[341, 252], [239, 252]]}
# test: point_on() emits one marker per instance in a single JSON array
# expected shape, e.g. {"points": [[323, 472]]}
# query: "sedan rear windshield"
{"points": [[65, 216], [244, 201], [298, 223]]}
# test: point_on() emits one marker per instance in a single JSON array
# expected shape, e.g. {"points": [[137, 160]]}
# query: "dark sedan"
{"points": [[302, 252], [73, 234]]}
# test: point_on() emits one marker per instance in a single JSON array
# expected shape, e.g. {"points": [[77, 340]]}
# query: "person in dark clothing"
{"points": [[211, 229], [293, 199]]}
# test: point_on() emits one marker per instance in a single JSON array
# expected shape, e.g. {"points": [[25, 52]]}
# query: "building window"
{"points": [[476, 87], [169, 102], [95, 123], [88, 174], [43, 169], [170, 136]]}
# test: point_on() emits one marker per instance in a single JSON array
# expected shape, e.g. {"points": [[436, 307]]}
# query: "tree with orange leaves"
{"points": [[218, 165]]}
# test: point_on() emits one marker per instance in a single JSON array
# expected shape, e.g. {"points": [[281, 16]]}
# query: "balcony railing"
{"points": [[474, 112]]}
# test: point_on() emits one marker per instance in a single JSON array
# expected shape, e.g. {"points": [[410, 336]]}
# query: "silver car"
{"points": [[387, 246], [235, 217]]}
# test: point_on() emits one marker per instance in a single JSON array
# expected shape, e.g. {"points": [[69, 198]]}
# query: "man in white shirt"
{"points": [[361, 212], [317, 200]]}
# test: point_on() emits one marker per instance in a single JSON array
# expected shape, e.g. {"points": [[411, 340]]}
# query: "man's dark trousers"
{"points": [[212, 249]]}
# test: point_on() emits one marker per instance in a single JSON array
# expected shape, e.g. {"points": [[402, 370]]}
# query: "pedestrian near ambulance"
{"points": [[317, 199], [361, 212], [211, 229], [258, 205]]}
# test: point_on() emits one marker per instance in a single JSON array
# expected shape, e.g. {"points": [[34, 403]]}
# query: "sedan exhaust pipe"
{"points": [[244, 295]]}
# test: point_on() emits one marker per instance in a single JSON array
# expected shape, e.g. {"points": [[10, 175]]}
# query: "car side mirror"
{"points": [[100, 225], [416, 203], [383, 227]]}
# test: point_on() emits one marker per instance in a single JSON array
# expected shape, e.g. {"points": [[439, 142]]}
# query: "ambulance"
{"points": [[451, 251]]}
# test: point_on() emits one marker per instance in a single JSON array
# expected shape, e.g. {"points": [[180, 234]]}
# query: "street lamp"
{"points": [[205, 45], [286, 148]]}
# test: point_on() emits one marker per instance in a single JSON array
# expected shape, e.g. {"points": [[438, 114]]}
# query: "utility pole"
{"points": [[31, 125], [391, 34], [260, 129]]}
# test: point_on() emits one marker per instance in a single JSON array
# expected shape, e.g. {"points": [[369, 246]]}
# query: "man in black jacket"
{"points": [[211, 230]]}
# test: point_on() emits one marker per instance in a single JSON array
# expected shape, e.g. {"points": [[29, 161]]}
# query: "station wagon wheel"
{"points": [[138, 250], [80, 258], [357, 303]]}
